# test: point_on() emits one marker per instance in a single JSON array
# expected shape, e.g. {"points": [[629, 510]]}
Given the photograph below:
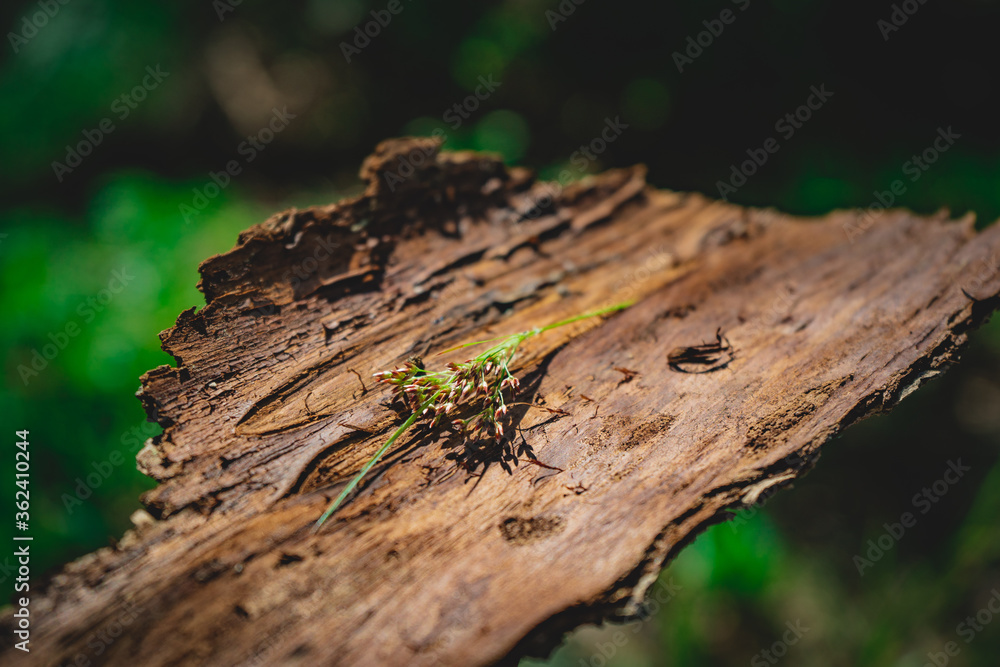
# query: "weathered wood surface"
{"points": [[265, 419]]}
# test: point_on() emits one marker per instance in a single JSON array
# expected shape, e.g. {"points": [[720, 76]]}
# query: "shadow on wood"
{"points": [[269, 410]]}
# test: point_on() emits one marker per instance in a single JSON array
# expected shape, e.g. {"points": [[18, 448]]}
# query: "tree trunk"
{"points": [[461, 554]]}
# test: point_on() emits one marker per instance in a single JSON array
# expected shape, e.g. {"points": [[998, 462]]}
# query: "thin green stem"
{"points": [[445, 384], [549, 327], [373, 460], [593, 313], [478, 342]]}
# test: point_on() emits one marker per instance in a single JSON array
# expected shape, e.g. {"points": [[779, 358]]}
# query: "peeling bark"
{"points": [[268, 411]]}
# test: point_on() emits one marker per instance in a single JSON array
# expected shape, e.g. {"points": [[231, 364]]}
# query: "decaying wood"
{"points": [[268, 411]]}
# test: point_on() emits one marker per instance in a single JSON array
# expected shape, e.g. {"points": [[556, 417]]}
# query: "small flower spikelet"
{"points": [[476, 385], [473, 388]]}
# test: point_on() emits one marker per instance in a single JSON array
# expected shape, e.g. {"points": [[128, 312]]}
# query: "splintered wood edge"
{"points": [[248, 280]]}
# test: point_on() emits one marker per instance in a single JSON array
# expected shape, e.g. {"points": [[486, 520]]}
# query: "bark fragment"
{"points": [[265, 418]]}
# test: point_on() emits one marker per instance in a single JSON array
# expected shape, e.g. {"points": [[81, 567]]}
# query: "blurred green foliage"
{"points": [[64, 237]]}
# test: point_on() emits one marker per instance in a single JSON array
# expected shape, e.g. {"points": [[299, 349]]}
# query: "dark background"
{"points": [[61, 240]]}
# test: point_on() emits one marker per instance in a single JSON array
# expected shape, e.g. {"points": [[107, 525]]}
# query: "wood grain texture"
{"points": [[436, 562]]}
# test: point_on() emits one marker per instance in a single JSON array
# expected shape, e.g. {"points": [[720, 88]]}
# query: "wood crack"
{"points": [[261, 416]]}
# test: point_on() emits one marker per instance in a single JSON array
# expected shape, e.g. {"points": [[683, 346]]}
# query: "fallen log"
{"points": [[754, 339]]}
